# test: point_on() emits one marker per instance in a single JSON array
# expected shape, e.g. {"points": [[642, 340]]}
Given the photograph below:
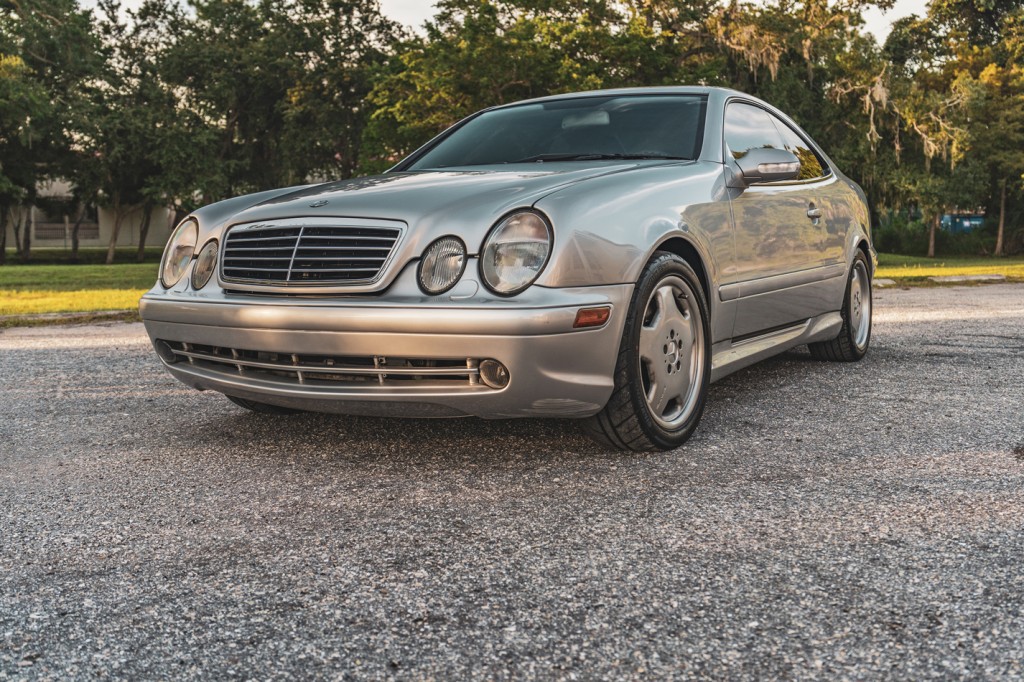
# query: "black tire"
{"points": [[628, 421], [855, 335], [261, 408]]}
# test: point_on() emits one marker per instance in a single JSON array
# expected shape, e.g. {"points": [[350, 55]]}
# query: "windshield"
{"points": [[579, 129]]}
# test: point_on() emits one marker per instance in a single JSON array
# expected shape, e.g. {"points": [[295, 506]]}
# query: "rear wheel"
{"points": [[855, 335], [261, 408], [664, 363]]}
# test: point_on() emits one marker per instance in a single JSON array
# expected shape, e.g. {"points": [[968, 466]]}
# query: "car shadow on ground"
{"points": [[348, 437]]}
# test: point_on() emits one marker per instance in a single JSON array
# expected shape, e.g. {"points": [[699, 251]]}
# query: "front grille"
{"points": [[332, 370], [293, 252]]}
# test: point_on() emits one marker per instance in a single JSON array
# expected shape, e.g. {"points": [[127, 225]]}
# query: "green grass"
{"points": [[77, 277], [909, 269], [41, 289], [53, 286], [86, 255]]}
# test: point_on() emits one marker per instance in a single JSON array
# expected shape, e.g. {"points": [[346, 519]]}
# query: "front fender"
{"points": [[606, 229]]}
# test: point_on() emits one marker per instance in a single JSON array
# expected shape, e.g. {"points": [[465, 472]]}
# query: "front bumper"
{"points": [[554, 370]]}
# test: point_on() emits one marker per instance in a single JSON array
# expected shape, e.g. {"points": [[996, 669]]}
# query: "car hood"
{"points": [[465, 202]]}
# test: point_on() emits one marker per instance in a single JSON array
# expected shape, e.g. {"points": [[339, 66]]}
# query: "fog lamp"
{"points": [[494, 374]]}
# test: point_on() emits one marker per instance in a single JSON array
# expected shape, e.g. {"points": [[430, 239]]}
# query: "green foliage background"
{"points": [[180, 105]]}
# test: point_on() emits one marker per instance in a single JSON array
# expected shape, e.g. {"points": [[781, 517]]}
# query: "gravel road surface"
{"points": [[827, 521]]}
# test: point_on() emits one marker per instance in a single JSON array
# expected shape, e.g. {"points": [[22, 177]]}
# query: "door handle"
{"points": [[813, 213]]}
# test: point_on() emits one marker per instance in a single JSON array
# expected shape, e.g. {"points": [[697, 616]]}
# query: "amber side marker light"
{"points": [[591, 317]]}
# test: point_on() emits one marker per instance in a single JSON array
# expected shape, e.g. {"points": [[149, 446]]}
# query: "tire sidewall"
{"points": [[661, 266], [851, 333]]}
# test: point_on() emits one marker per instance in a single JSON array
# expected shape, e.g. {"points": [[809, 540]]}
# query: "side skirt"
{"points": [[729, 356]]}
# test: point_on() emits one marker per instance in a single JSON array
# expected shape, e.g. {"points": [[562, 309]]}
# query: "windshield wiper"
{"points": [[596, 157]]}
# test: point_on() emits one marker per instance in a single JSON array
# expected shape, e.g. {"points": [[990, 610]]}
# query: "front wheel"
{"points": [[855, 335], [664, 363]]}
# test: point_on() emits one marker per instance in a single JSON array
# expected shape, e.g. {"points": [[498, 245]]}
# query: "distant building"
{"points": [[962, 222], [53, 218]]}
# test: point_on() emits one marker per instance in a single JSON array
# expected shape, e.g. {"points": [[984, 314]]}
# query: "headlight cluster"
{"points": [[515, 253], [178, 254], [442, 265], [205, 265], [512, 257]]}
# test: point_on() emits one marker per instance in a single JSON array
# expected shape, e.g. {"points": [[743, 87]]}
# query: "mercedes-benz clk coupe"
{"points": [[600, 255]]}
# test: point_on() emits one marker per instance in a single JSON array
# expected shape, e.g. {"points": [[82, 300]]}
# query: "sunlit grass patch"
{"points": [[43, 301], [910, 267]]}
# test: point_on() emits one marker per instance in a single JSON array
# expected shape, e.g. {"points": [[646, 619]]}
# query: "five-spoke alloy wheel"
{"points": [[855, 335], [664, 363]]}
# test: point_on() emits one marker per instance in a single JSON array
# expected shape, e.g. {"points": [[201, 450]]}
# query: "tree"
{"points": [[481, 53], [996, 133], [56, 49], [340, 48], [22, 100]]}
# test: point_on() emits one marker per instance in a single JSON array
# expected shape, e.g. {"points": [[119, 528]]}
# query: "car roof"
{"points": [[651, 90]]}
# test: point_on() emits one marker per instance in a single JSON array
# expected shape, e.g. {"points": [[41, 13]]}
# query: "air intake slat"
{"points": [[375, 371]]}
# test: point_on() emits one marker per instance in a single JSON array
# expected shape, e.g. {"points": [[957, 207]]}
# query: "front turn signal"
{"points": [[591, 317]]}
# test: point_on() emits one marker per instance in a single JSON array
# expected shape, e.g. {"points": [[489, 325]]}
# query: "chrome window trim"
{"points": [[774, 113]]}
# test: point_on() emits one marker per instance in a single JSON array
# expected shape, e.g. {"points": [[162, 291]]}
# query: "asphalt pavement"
{"points": [[828, 521]]}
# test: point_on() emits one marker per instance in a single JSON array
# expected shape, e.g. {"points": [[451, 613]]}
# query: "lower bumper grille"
{"points": [[331, 370]]}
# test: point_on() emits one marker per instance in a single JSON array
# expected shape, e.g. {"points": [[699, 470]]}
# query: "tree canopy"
{"points": [[179, 105]]}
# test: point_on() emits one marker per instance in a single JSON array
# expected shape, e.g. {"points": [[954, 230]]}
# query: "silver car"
{"points": [[601, 255]]}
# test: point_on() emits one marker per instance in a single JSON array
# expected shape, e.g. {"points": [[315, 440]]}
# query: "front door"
{"points": [[779, 235]]}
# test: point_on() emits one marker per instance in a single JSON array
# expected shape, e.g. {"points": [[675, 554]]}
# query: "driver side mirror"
{"points": [[765, 164]]}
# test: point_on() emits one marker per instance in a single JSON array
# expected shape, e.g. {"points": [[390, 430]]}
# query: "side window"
{"points": [[810, 165], [748, 127]]}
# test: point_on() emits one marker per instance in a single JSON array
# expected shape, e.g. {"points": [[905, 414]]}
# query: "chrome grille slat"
{"points": [[333, 270], [267, 239], [341, 258], [342, 248], [248, 258], [365, 237], [306, 253], [263, 270]]}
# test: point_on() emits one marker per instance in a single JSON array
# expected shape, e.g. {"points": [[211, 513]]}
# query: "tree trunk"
{"points": [[112, 247], [147, 214], [1002, 220], [931, 234], [3, 235], [74, 234], [26, 238], [16, 226]]}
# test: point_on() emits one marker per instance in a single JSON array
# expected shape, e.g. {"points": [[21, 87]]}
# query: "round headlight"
{"points": [[178, 253], [205, 264], [515, 252], [442, 265]]}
